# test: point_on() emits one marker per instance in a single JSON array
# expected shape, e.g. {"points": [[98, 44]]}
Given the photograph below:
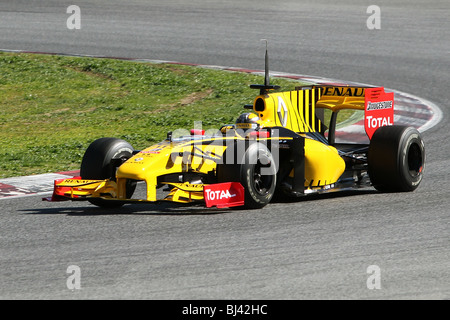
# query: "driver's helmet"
{"points": [[247, 121]]}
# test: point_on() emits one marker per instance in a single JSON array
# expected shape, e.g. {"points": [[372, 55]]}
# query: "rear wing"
{"points": [[377, 104], [300, 110]]}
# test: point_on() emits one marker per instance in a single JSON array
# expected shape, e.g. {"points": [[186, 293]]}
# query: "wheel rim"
{"points": [[415, 161], [262, 182]]}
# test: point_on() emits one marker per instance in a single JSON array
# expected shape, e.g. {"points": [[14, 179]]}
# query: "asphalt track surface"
{"points": [[314, 248]]}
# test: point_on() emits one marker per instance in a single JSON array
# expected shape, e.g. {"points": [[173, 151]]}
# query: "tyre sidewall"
{"points": [[410, 138], [257, 152], [96, 163]]}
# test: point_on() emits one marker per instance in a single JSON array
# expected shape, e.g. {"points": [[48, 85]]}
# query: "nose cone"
{"points": [[148, 162]]}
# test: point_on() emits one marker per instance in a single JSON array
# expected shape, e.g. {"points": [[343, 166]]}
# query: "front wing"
{"points": [[221, 195]]}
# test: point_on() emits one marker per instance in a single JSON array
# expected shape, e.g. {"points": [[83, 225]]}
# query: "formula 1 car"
{"points": [[283, 147]]}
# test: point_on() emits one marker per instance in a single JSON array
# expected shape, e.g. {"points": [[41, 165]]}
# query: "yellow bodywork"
{"points": [[185, 192], [323, 165], [296, 110], [338, 98], [166, 158]]}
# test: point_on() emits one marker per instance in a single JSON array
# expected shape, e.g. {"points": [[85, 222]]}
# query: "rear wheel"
{"points": [[396, 159], [255, 171], [101, 160]]}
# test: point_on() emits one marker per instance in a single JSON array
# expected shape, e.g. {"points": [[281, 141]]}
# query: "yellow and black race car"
{"points": [[287, 146]]}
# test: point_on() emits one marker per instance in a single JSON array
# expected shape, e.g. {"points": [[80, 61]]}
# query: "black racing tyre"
{"points": [[255, 170], [98, 164], [396, 159]]}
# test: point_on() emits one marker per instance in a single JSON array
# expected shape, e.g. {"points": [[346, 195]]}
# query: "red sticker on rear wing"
{"points": [[223, 195], [379, 109]]}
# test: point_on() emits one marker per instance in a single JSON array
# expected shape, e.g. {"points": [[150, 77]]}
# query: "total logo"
{"points": [[218, 194], [373, 122], [223, 195]]}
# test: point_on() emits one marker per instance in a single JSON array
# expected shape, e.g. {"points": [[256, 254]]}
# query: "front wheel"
{"points": [[101, 160], [255, 171], [396, 159]]}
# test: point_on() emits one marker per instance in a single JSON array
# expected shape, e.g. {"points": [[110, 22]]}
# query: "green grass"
{"points": [[53, 107]]}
